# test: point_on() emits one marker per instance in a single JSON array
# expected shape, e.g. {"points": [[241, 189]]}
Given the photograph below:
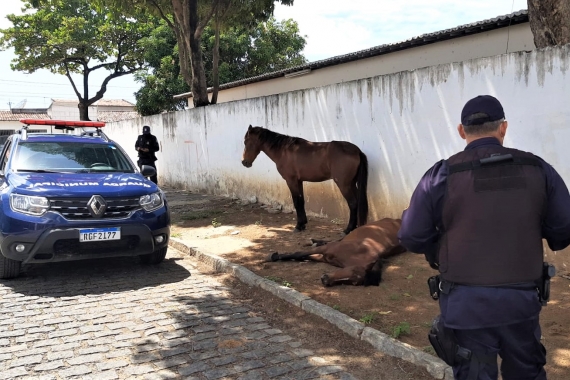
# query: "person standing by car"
{"points": [[147, 146], [480, 217]]}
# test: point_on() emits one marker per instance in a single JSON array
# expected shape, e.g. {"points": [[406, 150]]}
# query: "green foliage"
{"points": [[367, 319], [247, 52], [72, 36], [188, 20], [162, 79], [244, 53], [401, 328]]}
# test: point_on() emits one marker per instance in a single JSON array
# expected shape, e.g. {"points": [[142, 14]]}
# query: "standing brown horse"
{"points": [[359, 254], [300, 160]]}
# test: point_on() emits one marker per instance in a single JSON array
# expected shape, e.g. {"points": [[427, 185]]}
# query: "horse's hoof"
{"points": [[273, 256], [299, 229], [326, 280]]}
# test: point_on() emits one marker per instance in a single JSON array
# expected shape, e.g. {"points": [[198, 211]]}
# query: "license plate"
{"points": [[100, 234]]}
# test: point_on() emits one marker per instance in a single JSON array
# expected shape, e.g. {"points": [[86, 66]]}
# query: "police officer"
{"points": [[147, 145], [480, 217]]}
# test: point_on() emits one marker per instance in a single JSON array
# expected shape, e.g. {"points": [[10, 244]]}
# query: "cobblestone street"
{"points": [[117, 319]]}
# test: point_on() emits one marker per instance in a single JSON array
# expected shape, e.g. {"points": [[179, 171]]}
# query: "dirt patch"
{"points": [[401, 307]]}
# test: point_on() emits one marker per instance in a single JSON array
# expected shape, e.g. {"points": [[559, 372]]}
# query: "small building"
{"points": [[106, 110], [109, 110], [499, 35], [10, 121]]}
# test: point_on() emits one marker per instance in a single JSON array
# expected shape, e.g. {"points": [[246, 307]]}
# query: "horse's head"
{"points": [[252, 146]]}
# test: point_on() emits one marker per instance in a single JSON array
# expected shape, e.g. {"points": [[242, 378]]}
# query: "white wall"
{"points": [[10, 125], [404, 122]]}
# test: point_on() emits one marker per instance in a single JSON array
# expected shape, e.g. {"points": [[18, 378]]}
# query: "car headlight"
{"points": [[28, 204], [151, 202]]}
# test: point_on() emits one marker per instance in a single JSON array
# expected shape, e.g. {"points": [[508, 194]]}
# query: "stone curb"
{"points": [[382, 342]]}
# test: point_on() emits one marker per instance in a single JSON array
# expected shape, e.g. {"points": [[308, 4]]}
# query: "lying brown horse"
{"points": [[359, 254], [299, 160]]}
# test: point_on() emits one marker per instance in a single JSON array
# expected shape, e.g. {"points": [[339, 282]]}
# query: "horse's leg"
{"points": [[353, 275], [298, 256], [349, 192], [296, 188]]}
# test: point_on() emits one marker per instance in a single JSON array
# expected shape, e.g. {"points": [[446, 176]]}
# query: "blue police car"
{"points": [[76, 195]]}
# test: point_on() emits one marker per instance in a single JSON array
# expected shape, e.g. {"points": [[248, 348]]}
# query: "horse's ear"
{"points": [[249, 129]]}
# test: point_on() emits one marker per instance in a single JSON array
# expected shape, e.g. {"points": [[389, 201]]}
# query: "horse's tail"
{"points": [[362, 183]]}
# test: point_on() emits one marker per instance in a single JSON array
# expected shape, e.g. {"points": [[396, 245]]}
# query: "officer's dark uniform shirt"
{"points": [[147, 141], [471, 307]]}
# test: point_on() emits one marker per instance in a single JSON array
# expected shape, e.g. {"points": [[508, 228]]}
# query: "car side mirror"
{"points": [[148, 171]]}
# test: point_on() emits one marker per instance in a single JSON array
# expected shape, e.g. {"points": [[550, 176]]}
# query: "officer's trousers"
{"points": [[523, 355], [149, 162]]}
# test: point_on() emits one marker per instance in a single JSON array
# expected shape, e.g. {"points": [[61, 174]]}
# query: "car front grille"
{"points": [[73, 247], [77, 209]]}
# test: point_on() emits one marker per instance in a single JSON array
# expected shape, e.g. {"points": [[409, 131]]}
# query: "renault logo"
{"points": [[97, 206]]}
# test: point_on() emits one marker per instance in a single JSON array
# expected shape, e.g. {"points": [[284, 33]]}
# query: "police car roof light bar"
{"points": [[64, 124], [69, 125]]}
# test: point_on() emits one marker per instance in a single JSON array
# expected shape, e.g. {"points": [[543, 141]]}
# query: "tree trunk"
{"points": [[199, 86], [188, 36], [83, 111], [549, 22], [215, 63]]}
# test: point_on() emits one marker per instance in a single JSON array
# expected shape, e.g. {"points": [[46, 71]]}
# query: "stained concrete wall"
{"points": [[404, 122]]}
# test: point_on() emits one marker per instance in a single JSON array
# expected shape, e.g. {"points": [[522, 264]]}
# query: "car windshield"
{"points": [[70, 157]]}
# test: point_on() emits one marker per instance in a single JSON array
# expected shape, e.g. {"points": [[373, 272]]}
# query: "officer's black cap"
{"points": [[146, 130], [488, 108]]}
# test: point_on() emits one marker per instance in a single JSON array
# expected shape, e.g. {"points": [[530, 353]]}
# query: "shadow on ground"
{"points": [[400, 306], [91, 277]]}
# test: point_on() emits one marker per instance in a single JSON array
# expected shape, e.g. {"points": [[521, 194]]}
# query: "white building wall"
{"points": [[10, 125], [404, 122]]}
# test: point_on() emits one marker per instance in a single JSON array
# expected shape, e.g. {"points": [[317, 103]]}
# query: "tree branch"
{"points": [[101, 65], [68, 75], [103, 89], [206, 19], [162, 15]]}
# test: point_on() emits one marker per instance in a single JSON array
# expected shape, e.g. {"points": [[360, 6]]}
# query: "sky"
{"points": [[331, 28]]}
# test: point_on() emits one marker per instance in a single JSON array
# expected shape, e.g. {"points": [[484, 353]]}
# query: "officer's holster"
{"points": [[443, 339], [444, 343]]}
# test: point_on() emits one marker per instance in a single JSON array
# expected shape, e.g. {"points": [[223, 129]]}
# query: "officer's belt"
{"points": [[446, 286]]}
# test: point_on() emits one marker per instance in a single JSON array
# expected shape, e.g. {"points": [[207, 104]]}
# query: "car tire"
{"points": [[9, 268], [154, 258]]}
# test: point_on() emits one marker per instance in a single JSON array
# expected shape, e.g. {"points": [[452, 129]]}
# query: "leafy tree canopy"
{"points": [[244, 53], [72, 37]]}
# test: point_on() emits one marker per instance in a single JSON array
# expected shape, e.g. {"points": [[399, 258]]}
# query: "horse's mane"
{"points": [[276, 140]]}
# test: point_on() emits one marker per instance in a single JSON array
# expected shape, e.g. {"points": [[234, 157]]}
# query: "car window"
{"points": [[70, 157]]}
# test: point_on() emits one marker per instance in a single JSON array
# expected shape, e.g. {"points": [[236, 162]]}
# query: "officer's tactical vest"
{"points": [[492, 216]]}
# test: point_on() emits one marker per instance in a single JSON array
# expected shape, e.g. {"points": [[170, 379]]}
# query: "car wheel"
{"points": [[155, 257], [9, 268]]}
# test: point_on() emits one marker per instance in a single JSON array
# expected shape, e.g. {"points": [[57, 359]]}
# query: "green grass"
{"points": [[400, 328], [367, 319]]}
